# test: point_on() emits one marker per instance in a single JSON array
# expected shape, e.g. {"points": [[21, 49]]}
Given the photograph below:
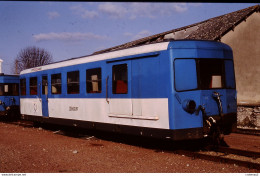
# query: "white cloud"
{"points": [[84, 13], [67, 36], [180, 7], [133, 10], [114, 10], [141, 9], [53, 15]]}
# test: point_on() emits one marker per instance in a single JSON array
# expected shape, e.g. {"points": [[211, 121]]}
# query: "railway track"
{"points": [[239, 152], [248, 131], [227, 155]]}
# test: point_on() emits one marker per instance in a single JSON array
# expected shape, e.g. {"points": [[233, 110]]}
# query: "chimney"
{"points": [[1, 65]]}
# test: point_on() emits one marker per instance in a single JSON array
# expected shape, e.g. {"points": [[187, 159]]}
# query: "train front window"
{"points": [[230, 74], [211, 74], [185, 74], [192, 74]]}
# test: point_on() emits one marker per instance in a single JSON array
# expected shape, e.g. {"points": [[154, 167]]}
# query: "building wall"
{"points": [[245, 42]]}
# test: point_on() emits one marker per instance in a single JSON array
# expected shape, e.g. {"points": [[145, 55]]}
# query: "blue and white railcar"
{"points": [[9, 96], [174, 89]]}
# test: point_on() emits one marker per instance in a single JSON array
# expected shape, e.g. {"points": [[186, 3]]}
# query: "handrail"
{"points": [[107, 89]]}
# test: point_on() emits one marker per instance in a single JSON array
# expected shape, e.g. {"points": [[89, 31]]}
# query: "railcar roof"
{"points": [[103, 56], [136, 50]]}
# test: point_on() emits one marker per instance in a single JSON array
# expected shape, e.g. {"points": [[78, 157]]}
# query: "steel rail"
{"points": [[197, 155], [239, 152]]}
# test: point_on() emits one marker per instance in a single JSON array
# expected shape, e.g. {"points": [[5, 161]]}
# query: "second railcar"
{"points": [[175, 89], [9, 96]]}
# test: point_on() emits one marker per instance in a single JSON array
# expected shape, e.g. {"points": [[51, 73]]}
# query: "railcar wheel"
{"points": [[218, 138]]}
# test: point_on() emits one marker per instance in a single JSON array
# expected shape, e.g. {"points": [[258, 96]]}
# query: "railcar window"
{"points": [[33, 86], [230, 74], [185, 74], [9, 89], [93, 77], [23, 86], [73, 82], [56, 83], [120, 79], [211, 74], [14, 89], [1, 89], [44, 85]]}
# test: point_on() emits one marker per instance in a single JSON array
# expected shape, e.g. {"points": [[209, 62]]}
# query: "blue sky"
{"points": [[73, 29]]}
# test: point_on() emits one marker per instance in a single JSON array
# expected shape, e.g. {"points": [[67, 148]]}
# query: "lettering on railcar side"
{"points": [[73, 108]]}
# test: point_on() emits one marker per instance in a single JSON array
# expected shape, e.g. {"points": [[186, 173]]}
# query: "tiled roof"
{"points": [[211, 29]]}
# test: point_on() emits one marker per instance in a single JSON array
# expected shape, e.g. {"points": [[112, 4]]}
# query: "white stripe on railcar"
{"points": [[151, 112]]}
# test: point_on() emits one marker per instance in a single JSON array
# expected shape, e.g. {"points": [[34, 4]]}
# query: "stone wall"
{"points": [[248, 116]]}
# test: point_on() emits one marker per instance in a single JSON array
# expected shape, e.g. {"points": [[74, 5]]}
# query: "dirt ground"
{"points": [[27, 149]]}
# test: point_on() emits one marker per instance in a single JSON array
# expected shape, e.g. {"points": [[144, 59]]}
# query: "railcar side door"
{"points": [[118, 89], [44, 96]]}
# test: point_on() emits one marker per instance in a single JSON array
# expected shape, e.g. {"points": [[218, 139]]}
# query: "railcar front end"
{"points": [[204, 97]]}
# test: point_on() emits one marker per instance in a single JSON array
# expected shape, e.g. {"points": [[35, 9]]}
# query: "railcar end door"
{"points": [[44, 96]]}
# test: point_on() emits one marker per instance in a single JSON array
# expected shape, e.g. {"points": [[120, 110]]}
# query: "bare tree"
{"points": [[31, 57]]}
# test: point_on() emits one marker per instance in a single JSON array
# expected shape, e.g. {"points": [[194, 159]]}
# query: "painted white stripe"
{"points": [[153, 112], [115, 54]]}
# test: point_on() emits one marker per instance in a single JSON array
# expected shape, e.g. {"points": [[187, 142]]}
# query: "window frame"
{"points": [[174, 71], [10, 91], [56, 83], [33, 88], [199, 87], [69, 90], [123, 82], [89, 82], [223, 73], [23, 86]]}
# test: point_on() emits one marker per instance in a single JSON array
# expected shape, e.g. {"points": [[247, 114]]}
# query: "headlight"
{"points": [[189, 106]]}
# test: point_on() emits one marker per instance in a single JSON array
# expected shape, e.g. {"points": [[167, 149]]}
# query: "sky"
{"points": [[73, 29]]}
